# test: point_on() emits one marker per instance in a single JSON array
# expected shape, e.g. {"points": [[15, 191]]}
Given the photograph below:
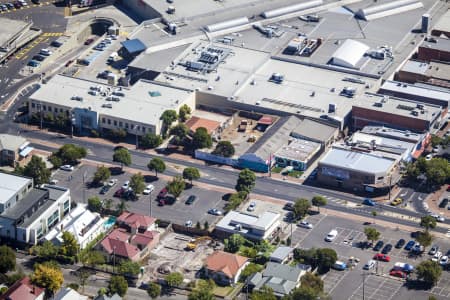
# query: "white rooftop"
{"points": [[349, 54], [11, 184], [262, 222]]}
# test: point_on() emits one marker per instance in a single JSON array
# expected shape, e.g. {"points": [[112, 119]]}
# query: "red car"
{"points": [[398, 273], [382, 257], [89, 41], [119, 193], [161, 202], [162, 193]]}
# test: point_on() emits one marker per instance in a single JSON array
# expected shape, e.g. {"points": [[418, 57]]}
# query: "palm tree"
{"points": [[121, 207]]}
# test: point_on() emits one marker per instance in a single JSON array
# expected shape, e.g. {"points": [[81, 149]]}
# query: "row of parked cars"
{"points": [[16, 4]]}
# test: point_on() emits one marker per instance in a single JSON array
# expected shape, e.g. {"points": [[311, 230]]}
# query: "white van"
{"points": [[112, 57], [331, 235]]}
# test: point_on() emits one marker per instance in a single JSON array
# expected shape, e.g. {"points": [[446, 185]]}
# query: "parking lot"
{"points": [[178, 212], [377, 288], [442, 288]]}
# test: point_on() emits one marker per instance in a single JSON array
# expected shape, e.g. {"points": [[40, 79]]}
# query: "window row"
{"points": [[121, 125]]}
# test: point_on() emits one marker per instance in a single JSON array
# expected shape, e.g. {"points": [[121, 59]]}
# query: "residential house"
{"points": [[282, 279], [69, 294], [23, 289], [225, 268], [136, 222], [282, 254]]}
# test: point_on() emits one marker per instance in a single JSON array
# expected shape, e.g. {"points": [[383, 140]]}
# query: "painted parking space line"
{"points": [[23, 52], [377, 288], [332, 279]]}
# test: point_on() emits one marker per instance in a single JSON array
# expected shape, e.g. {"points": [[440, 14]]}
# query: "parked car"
{"points": [[289, 206], [382, 257], [438, 218], [33, 63], [112, 182], [398, 273], [214, 211], [340, 265], [39, 57], [443, 203], [56, 43], [45, 52], [378, 246], [387, 249], [67, 168], [88, 41], [104, 189], [251, 207], [119, 193], [365, 245], [444, 260], [433, 250], [188, 223], [369, 265], [161, 202], [437, 256], [369, 202], [429, 156], [104, 74], [53, 182], [331, 235], [407, 268], [191, 199], [305, 224], [397, 201], [9, 5], [17, 5], [418, 248], [163, 193], [409, 245], [126, 185], [400, 243], [148, 189]]}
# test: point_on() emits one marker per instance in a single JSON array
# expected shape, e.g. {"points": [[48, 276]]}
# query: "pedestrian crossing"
{"points": [[52, 34]]}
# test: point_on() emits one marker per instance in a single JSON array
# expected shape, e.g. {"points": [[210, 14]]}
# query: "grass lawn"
{"points": [[222, 291], [276, 169], [295, 174]]}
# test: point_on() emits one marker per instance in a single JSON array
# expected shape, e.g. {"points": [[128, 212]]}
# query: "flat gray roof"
{"points": [[11, 142], [157, 61], [431, 69], [393, 133], [137, 104], [299, 150], [30, 199], [315, 130], [10, 28], [356, 161], [437, 43], [444, 22], [262, 222], [414, 90], [11, 184]]}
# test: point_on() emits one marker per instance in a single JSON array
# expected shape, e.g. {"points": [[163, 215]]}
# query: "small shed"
{"points": [[282, 254]]}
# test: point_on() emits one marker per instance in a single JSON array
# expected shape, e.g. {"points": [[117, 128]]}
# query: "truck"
{"points": [[407, 268], [243, 125]]}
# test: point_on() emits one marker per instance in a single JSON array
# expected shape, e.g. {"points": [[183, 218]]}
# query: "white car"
{"points": [[305, 224], [112, 182], [438, 218], [188, 223], [126, 185], [45, 52], [433, 250], [429, 157], [251, 207], [436, 149], [331, 235], [444, 260], [66, 168], [437, 256], [148, 189], [214, 211], [369, 265], [53, 181]]}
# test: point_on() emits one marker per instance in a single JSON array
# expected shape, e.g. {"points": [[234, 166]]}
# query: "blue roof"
{"points": [[134, 46]]}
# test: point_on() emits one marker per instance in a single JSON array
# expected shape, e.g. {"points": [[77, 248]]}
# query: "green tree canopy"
{"points": [[437, 171], [95, 204], [156, 164], [191, 173], [301, 207], [46, 251], [48, 277], [154, 290], [180, 130], [203, 290], [319, 201], [325, 258], [424, 238], [313, 281], [92, 258], [69, 246], [224, 148], [151, 140], [137, 183], [7, 259], [168, 117], [70, 153], [249, 270], [234, 242], [37, 170], [201, 139], [372, 234], [128, 267], [101, 174], [303, 293], [174, 279], [122, 156], [428, 222], [246, 181], [118, 284], [121, 206], [264, 293], [176, 186], [184, 112], [429, 272]]}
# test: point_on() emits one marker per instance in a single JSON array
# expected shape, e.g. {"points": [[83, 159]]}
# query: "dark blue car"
{"points": [[409, 245], [368, 202]]}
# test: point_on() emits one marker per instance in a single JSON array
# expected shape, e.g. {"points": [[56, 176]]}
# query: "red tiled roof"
{"points": [[23, 290], [196, 122], [265, 120], [117, 242], [144, 238], [227, 263], [135, 220]]}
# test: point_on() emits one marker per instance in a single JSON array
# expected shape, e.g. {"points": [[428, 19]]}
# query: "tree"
{"points": [[264, 293], [37, 170], [201, 139], [424, 238], [174, 279], [102, 291], [46, 251], [92, 258], [319, 201], [156, 164], [168, 117], [224, 148], [122, 156], [206, 225], [137, 183], [191, 173], [154, 290], [372, 234], [437, 171], [119, 285], [234, 242], [246, 181], [108, 204], [435, 140], [130, 268], [176, 186], [428, 222], [102, 174], [121, 207], [313, 281], [7, 259], [151, 140], [95, 204], [249, 270], [117, 135], [70, 153], [180, 130], [48, 277], [69, 246], [302, 293], [203, 290], [325, 258], [301, 207], [83, 276], [429, 272], [184, 112]]}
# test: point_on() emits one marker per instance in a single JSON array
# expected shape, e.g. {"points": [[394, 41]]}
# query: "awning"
{"points": [[26, 144], [26, 151]]}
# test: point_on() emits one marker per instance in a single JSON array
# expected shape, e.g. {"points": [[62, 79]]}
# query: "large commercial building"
{"points": [[27, 213], [433, 73], [434, 48], [95, 106]]}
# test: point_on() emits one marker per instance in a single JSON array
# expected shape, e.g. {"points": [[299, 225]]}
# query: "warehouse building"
{"points": [[434, 48], [433, 73]]}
